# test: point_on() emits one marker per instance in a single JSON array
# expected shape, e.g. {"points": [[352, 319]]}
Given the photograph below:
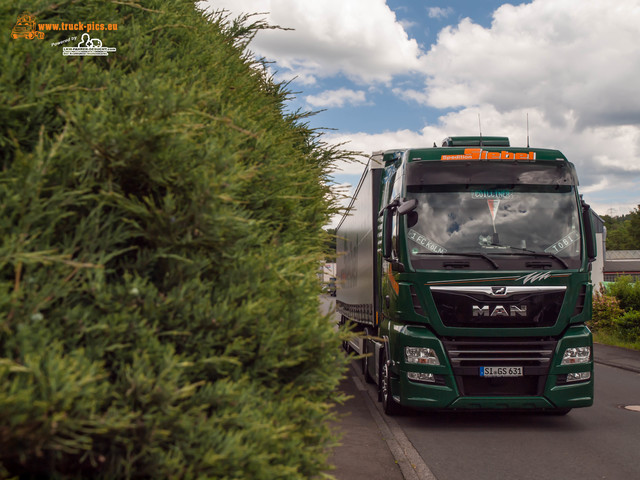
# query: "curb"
{"points": [[618, 365], [407, 457]]}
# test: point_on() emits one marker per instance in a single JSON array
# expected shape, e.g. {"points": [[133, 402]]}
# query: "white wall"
{"points": [[328, 271]]}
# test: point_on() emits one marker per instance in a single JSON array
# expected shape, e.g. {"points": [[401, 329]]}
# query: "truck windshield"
{"points": [[540, 222]]}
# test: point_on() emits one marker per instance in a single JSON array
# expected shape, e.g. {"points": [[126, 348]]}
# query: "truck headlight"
{"points": [[421, 377], [578, 377], [576, 355], [423, 356]]}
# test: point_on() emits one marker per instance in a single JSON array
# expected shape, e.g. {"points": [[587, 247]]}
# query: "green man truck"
{"points": [[466, 269]]}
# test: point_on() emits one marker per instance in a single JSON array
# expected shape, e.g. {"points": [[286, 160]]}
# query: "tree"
{"points": [[634, 228], [161, 223], [330, 249], [623, 232]]}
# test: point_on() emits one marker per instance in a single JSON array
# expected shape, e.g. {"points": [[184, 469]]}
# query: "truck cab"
{"points": [[480, 268]]}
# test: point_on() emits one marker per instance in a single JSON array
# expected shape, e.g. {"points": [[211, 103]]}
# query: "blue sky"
{"points": [[382, 111], [408, 73]]}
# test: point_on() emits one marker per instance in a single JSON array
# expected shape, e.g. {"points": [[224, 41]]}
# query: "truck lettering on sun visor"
{"points": [[560, 245], [480, 154], [491, 194], [425, 242]]}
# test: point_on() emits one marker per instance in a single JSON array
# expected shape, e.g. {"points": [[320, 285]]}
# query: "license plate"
{"points": [[500, 371]]}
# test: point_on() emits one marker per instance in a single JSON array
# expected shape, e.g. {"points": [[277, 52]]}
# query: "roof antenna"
{"points": [[527, 129], [480, 129]]}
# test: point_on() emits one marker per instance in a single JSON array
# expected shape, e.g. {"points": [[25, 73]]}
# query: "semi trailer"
{"points": [[465, 272]]}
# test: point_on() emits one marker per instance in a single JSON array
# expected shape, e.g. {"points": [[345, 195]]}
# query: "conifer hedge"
{"points": [[160, 225]]}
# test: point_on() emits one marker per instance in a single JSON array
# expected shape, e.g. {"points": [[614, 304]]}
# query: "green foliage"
{"points": [[628, 326], [627, 292], [623, 232], [161, 225], [330, 245], [606, 309], [616, 311]]}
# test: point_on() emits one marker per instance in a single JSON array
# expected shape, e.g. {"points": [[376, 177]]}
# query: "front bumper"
{"points": [[456, 382]]}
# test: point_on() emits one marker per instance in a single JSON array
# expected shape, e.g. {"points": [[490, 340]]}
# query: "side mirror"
{"points": [[401, 207], [407, 206], [590, 239], [387, 222], [387, 218], [387, 225]]}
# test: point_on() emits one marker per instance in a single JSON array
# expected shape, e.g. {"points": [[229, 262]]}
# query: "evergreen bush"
{"points": [[160, 217]]}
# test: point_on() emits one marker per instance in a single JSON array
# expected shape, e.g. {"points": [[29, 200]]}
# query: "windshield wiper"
{"points": [[464, 254], [535, 254]]}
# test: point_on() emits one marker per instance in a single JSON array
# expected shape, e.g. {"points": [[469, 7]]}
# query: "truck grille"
{"points": [[498, 307], [467, 356]]}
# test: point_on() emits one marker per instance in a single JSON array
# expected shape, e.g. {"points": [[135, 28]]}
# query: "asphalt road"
{"points": [[599, 442]]}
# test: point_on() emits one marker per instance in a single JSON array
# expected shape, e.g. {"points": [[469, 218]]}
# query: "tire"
{"points": [[366, 360], [389, 405], [345, 345]]}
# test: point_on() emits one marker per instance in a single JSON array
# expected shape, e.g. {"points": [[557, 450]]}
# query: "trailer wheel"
{"points": [[341, 324], [389, 405], [366, 359]]}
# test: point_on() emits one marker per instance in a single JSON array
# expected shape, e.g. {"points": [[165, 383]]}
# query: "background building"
{"points": [[618, 263]]}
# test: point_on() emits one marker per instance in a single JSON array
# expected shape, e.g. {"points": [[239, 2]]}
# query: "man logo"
{"points": [[499, 311]]}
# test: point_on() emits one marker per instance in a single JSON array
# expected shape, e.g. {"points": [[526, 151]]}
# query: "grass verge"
{"points": [[610, 339]]}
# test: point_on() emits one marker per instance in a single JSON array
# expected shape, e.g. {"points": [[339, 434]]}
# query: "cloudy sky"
{"points": [[408, 73]]}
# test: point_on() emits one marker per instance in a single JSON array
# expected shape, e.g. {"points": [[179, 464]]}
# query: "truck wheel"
{"points": [[389, 405], [366, 360]]}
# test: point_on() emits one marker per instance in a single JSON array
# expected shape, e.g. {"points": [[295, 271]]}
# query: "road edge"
{"points": [[618, 357], [407, 457]]}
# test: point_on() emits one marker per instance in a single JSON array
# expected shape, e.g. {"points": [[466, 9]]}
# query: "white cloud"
{"points": [[439, 12], [605, 157], [336, 98], [570, 57], [411, 95], [361, 39], [572, 65]]}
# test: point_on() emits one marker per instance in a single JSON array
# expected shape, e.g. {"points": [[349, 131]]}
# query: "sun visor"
{"points": [[486, 173]]}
